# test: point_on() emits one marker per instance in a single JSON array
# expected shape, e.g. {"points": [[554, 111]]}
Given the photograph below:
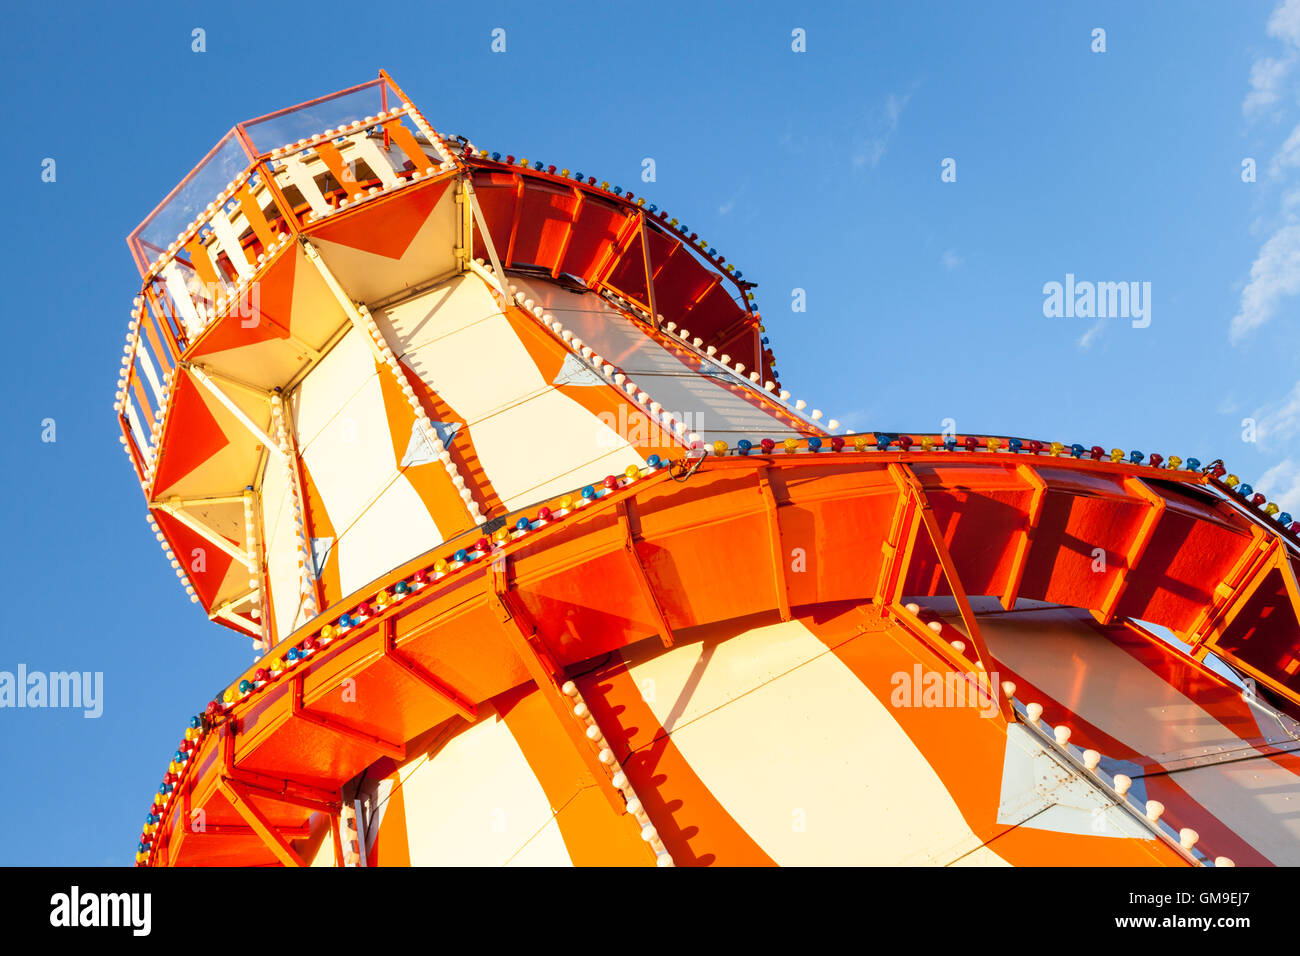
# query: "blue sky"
{"points": [[817, 170]]}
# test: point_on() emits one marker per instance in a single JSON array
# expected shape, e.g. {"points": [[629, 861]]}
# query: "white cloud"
{"points": [[1281, 484], [1267, 74], [1278, 424], [951, 260], [1088, 338], [1266, 77], [1289, 154], [1284, 24], [882, 124], [1274, 275]]}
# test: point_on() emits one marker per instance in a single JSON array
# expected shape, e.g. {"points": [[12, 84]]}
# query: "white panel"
{"points": [[531, 438], [392, 529], [229, 240], [478, 803], [351, 457], [347, 367], [281, 548], [1070, 661], [529, 452], [981, 857], [296, 173], [180, 294], [452, 306], [376, 158], [545, 849], [828, 755]]}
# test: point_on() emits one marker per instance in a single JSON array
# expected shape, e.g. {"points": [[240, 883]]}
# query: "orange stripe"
{"points": [[392, 847], [202, 264], [318, 520], [603, 402], [402, 136], [253, 213], [431, 482], [333, 161], [966, 750], [592, 832], [695, 828], [462, 450]]}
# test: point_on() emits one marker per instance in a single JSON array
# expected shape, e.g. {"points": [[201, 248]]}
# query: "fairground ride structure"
{"points": [[492, 463]]}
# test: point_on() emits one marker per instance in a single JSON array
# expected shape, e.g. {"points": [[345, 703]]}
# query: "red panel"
{"points": [[184, 543], [269, 312], [401, 219], [1266, 634], [543, 223], [192, 436]]}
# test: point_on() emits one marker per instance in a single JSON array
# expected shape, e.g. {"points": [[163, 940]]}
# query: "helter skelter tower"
{"points": [[491, 462]]}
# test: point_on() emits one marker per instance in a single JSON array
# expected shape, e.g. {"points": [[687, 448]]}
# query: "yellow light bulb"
{"points": [[1271, 509], [1056, 449], [790, 445], [719, 447], [1116, 454], [632, 471], [1232, 481]]}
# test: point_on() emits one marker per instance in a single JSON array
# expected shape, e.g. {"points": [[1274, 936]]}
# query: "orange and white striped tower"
{"points": [[542, 565]]}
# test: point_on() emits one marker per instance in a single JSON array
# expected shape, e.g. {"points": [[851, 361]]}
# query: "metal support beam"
{"points": [[204, 379], [458, 701], [909, 484], [244, 806], [203, 531], [1026, 540], [520, 632], [340, 727], [649, 273], [779, 581], [626, 517], [499, 280], [1248, 572], [1137, 547]]}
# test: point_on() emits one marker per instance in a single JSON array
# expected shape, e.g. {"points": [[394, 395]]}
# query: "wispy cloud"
{"points": [[1277, 423], [1268, 74], [1275, 272], [881, 125], [1088, 338], [1274, 275], [1281, 484], [951, 260]]}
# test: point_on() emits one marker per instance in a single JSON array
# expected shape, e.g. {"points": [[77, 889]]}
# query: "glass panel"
{"points": [[191, 197], [311, 119]]}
